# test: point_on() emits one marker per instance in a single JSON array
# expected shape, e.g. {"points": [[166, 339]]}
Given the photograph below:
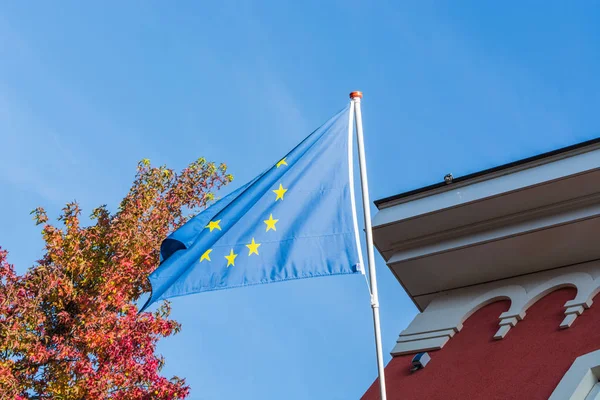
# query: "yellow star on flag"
{"points": [[206, 255], [253, 247], [213, 225], [231, 258], [280, 192], [271, 223], [282, 162]]}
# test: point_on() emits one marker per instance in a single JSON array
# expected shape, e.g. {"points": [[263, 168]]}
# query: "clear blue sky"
{"points": [[87, 91]]}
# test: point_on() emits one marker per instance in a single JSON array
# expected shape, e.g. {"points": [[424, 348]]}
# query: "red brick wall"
{"points": [[527, 364]]}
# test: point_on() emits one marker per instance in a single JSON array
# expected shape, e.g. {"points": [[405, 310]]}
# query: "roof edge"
{"points": [[378, 203]]}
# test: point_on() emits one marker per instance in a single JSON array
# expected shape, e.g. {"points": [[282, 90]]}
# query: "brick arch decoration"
{"points": [[527, 364]]}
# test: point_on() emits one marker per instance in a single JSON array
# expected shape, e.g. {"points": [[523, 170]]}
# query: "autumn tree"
{"points": [[69, 326]]}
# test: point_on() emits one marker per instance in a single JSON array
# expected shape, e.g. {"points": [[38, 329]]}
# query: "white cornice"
{"points": [[477, 235], [521, 221], [497, 223]]}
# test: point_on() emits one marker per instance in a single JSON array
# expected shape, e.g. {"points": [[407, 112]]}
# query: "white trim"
{"points": [[594, 393], [568, 321], [574, 310], [426, 335], [490, 185], [491, 221], [580, 379], [502, 332], [509, 321], [515, 293], [361, 264], [447, 311], [402, 348], [501, 233], [579, 280]]}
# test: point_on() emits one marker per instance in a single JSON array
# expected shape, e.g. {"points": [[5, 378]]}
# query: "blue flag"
{"points": [[295, 220]]}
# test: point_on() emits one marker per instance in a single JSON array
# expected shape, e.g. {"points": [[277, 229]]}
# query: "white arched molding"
{"points": [[581, 281], [585, 297], [444, 317], [580, 379], [431, 330], [515, 293]]}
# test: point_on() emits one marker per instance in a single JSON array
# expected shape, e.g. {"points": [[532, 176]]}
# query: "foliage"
{"points": [[69, 327]]}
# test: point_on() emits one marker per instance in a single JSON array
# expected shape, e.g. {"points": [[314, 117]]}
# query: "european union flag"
{"points": [[295, 220]]}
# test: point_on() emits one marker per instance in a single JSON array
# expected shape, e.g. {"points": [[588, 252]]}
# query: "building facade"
{"points": [[503, 266]]}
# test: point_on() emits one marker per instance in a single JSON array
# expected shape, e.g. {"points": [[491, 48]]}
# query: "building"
{"points": [[503, 266]]}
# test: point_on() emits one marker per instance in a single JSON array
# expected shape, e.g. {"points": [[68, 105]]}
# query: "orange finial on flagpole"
{"points": [[356, 94]]}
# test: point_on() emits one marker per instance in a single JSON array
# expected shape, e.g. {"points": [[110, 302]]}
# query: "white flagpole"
{"points": [[356, 96]]}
